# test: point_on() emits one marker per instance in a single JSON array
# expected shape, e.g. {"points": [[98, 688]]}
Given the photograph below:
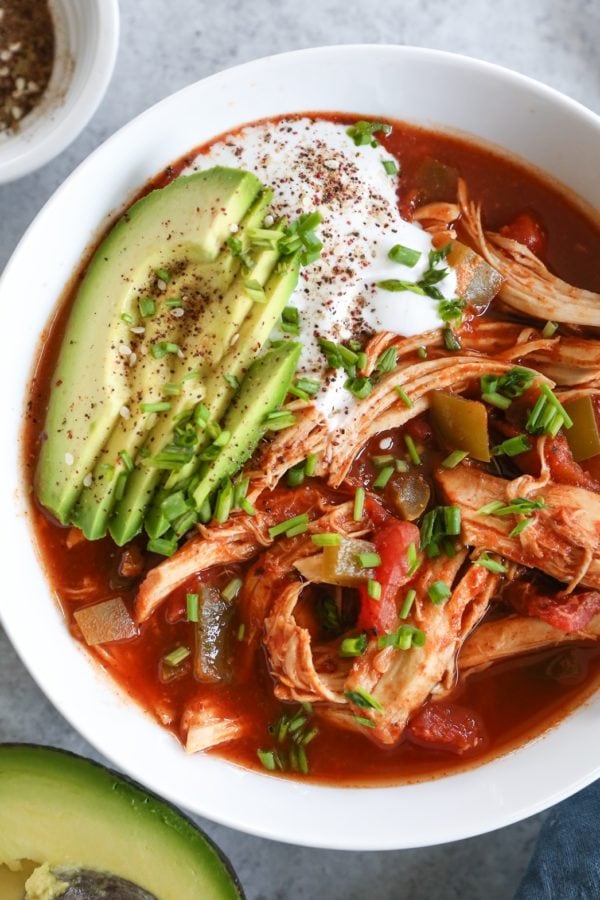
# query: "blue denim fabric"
{"points": [[566, 861]]}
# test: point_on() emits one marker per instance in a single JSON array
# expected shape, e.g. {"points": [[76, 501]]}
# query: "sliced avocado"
{"points": [[233, 309], [262, 391], [254, 334], [90, 829], [203, 333], [189, 220]]}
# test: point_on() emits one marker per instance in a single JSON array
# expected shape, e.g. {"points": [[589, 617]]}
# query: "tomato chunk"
{"points": [[391, 542], [526, 229], [447, 726], [571, 612]]}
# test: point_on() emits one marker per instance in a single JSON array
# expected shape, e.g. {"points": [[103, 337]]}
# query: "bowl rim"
{"points": [[68, 119], [231, 816]]}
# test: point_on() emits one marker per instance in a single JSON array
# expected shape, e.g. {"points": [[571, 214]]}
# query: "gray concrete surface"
{"points": [[164, 46]]}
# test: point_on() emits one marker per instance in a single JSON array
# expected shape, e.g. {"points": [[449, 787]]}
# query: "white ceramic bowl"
{"points": [[442, 90], [87, 36]]}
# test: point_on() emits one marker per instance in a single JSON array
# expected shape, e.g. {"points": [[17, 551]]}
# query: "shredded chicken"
{"points": [[515, 635], [563, 539], [529, 287], [203, 726]]}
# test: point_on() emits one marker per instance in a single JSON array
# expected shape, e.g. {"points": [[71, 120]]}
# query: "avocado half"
{"points": [[89, 833]]}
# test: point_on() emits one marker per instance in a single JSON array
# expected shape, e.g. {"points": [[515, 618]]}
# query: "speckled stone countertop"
{"points": [[164, 46]]}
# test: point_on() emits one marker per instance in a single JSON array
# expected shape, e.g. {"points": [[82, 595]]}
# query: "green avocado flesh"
{"points": [[175, 305], [98, 834]]}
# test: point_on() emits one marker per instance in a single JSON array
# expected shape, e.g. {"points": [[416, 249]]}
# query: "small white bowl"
{"points": [[86, 40], [426, 87]]}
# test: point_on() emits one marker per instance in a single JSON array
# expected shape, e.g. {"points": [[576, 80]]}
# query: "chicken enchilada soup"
{"points": [[314, 451]]}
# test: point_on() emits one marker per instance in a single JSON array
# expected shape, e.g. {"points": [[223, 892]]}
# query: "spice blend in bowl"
{"points": [[26, 58]]}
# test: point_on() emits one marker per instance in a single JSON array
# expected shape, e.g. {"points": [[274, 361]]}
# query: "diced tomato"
{"points": [[526, 229], [570, 612], [447, 726], [419, 429], [391, 542]]}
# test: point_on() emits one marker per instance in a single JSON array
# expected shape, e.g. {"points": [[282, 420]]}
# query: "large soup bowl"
{"points": [[429, 88]]}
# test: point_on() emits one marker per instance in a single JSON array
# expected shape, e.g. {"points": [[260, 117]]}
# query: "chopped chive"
{"points": [[231, 589], [311, 465], [374, 589], [438, 592], [402, 465], [451, 340], [163, 274], [554, 401], [240, 489], [174, 505], [412, 450], [173, 303], [171, 389], [224, 502], [452, 519], [360, 697], [520, 527], [384, 476], [354, 646], [160, 406], [282, 527], [147, 307], [361, 360], [359, 504], [497, 400], [404, 255], [388, 360], [162, 348], [490, 564], [366, 723], [490, 508], [280, 420], [360, 387], [407, 603], [255, 291], [127, 460], [191, 603], [302, 760], [232, 380], [296, 530], [241, 632], [404, 397], [185, 522], [177, 656], [362, 132], [390, 166], [368, 560], [247, 507], [326, 539], [549, 329], [295, 475], [385, 459], [397, 284], [125, 317], [267, 758], [512, 447], [222, 439], [120, 486], [412, 559], [309, 736], [454, 459], [422, 352], [308, 385]]}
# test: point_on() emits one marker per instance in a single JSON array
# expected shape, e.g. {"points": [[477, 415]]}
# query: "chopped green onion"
{"points": [[554, 401], [255, 291], [125, 317], [451, 340], [374, 589], [454, 459], [232, 380], [360, 386], [512, 447], [520, 527], [247, 507], [241, 632], [359, 504], [404, 397], [240, 489], [354, 646], [362, 132], [397, 284], [127, 460], [520, 506], [497, 400], [163, 274], [402, 465], [549, 329], [408, 601], [171, 389], [176, 657], [162, 545], [174, 505], [295, 475], [326, 539], [296, 530], [413, 560], [162, 348], [412, 450], [422, 352], [360, 697], [390, 166], [368, 560], [283, 527], [384, 476], [160, 406], [311, 465], [191, 602], [383, 460], [366, 723], [438, 592], [308, 385], [173, 303], [224, 502], [388, 360], [279, 420], [490, 564], [147, 307], [452, 520], [267, 758], [361, 360], [231, 589], [404, 255], [490, 508], [222, 439]]}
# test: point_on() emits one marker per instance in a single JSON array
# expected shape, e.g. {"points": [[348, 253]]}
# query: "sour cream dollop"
{"points": [[314, 164]]}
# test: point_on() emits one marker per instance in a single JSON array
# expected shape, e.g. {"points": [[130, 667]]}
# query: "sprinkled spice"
{"points": [[26, 58]]}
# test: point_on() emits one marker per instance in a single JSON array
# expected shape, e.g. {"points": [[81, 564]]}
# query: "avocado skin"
{"points": [[90, 884], [42, 780], [90, 384], [262, 391]]}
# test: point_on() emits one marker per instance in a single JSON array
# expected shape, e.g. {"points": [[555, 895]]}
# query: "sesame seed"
{"points": [[386, 443], [87, 480], [137, 329], [69, 459], [124, 412], [268, 221], [234, 228], [161, 285], [16, 112], [124, 350], [177, 312], [132, 359], [331, 164]]}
